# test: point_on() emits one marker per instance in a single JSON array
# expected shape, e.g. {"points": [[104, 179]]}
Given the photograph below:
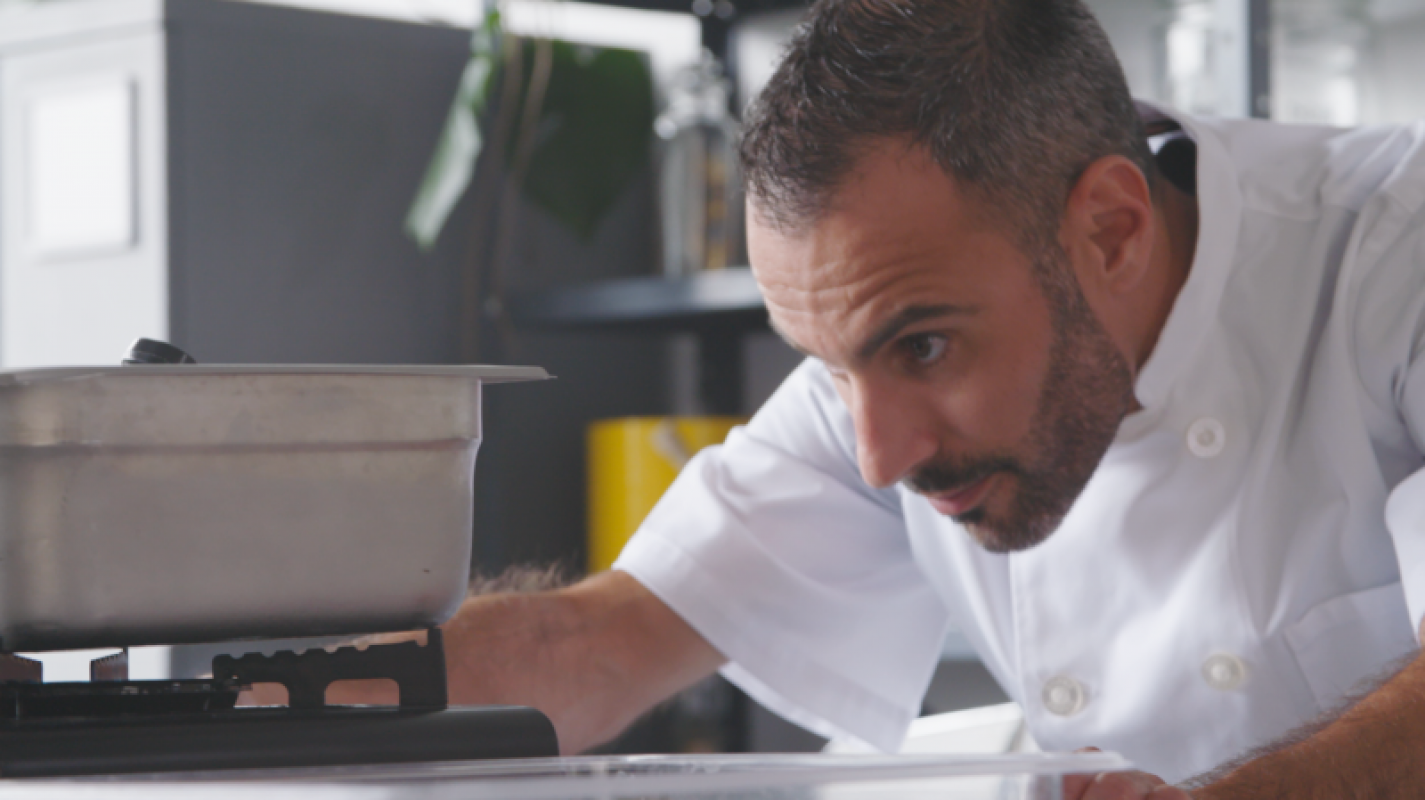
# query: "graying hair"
{"points": [[1012, 98]]}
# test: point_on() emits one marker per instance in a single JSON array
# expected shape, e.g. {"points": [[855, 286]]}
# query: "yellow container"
{"points": [[632, 462]]}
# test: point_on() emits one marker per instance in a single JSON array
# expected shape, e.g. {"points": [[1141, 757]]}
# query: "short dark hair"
{"points": [[1012, 98]]}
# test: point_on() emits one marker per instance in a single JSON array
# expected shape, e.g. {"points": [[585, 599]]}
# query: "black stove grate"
{"points": [[25, 701], [123, 726]]}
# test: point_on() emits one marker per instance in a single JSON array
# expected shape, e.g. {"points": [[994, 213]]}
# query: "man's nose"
{"points": [[893, 432]]}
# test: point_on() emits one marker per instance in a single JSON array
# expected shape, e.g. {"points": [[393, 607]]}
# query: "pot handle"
{"points": [[152, 351]]}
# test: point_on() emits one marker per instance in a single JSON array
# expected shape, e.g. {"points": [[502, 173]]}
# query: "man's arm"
{"points": [[592, 656], [1371, 748]]}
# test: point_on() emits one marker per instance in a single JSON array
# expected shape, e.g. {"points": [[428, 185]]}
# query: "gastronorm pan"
{"points": [[168, 504]]}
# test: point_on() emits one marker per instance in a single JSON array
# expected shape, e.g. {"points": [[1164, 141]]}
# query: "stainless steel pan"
{"points": [[168, 504]]}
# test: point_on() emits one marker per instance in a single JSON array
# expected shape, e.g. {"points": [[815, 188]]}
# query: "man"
{"points": [[1151, 445]]}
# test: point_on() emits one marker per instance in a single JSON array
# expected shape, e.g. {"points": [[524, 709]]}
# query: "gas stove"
{"points": [[112, 725], [166, 502]]}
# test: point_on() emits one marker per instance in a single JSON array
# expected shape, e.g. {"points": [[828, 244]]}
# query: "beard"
{"points": [[1086, 393]]}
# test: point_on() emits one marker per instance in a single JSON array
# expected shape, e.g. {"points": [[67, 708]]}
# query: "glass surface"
{"points": [[1027, 776]]}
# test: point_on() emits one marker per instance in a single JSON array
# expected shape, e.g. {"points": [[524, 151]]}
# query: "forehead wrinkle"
{"points": [[857, 290], [849, 280], [777, 329], [826, 340], [867, 315]]}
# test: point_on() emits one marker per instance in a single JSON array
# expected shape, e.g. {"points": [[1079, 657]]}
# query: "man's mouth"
{"points": [[955, 502]]}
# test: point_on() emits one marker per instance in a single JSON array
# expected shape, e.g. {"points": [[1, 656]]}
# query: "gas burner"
{"points": [[115, 725], [419, 671], [28, 701]]}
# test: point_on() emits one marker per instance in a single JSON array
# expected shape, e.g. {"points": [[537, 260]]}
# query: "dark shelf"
{"points": [[718, 307], [723, 302]]}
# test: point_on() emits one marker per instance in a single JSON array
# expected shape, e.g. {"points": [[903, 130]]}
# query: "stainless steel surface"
{"points": [[802, 776], [167, 504]]}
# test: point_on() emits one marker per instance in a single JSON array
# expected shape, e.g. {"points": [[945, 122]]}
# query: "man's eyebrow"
{"points": [[907, 316]]}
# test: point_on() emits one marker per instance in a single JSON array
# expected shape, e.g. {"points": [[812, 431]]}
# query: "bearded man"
{"points": [[1147, 429]]}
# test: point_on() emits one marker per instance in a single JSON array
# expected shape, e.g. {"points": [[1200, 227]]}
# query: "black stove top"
{"points": [[113, 725]]}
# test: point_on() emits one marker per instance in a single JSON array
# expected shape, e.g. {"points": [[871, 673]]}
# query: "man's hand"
{"points": [[592, 657], [1369, 749], [1121, 786]]}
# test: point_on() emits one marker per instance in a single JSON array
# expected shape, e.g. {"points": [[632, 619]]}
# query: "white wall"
{"points": [[671, 40], [1135, 28], [82, 128], [1391, 85]]}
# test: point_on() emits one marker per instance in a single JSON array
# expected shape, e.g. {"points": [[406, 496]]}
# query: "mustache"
{"points": [[947, 474]]}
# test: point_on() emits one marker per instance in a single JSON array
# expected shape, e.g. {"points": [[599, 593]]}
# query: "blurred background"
{"points": [[552, 183]]}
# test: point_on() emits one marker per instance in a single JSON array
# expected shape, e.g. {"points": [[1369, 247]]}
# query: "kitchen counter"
{"points": [[802, 776]]}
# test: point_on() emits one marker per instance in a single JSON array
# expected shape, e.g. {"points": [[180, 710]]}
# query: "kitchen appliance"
{"points": [[700, 202], [167, 502]]}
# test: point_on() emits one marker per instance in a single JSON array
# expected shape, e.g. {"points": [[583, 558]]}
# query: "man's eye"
{"points": [[926, 348]]}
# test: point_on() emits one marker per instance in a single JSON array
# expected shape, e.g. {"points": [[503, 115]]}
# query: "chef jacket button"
{"points": [[1063, 696], [1224, 672], [1206, 437]]}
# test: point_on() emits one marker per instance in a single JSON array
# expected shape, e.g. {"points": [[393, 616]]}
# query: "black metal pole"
{"points": [[1259, 57]]}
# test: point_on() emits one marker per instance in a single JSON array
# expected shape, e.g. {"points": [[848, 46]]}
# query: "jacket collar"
{"points": [[1219, 202]]}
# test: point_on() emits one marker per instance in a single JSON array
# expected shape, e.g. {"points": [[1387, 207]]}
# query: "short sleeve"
{"points": [[1405, 506], [773, 548], [1389, 336]]}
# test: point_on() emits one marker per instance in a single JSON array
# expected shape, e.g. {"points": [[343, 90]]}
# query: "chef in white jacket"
{"points": [[1148, 432], [1235, 562]]}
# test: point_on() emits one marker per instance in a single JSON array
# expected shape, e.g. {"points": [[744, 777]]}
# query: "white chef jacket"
{"points": [[1230, 571]]}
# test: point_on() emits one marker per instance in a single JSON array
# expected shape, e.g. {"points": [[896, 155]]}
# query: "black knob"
{"points": [[152, 351]]}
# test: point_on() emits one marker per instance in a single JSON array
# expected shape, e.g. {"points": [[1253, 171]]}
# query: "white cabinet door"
{"points": [[83, 208]]}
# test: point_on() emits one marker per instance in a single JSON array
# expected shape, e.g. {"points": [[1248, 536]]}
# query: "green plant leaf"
{"points": [[594, 133], [453, 162]]}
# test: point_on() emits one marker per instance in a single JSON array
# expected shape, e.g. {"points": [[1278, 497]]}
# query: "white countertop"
{"points": [[762, 776]]}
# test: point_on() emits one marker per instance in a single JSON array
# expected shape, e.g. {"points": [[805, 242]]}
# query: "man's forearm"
{"points": [[592, 656], [1372, 749]]}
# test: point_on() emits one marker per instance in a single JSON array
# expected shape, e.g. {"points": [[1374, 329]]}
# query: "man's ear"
{"points": [[1108, 225]]}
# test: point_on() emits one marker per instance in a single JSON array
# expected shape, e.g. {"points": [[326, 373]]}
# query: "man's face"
{"points": [[975, 373]]}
